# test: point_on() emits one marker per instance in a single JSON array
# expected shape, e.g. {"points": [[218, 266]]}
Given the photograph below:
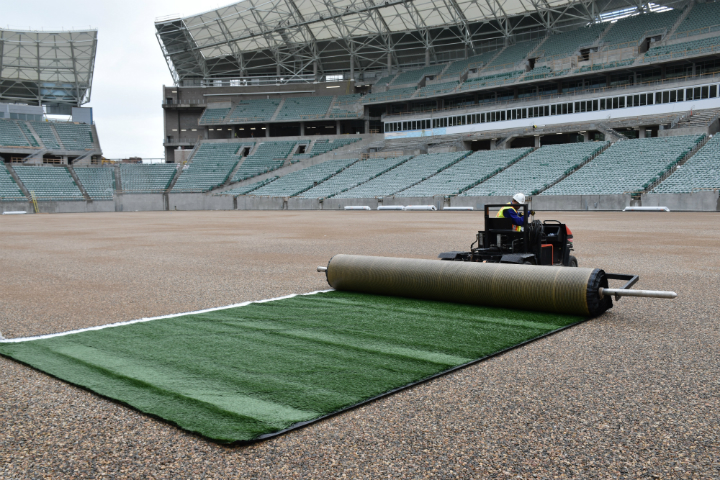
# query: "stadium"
{"points": [[270, 300]]}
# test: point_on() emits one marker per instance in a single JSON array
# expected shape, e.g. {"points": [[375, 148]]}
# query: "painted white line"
{"points": [[150, 319]]}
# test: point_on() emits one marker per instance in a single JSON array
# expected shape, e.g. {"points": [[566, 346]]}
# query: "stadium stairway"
{"points": [[79, 184], [277, 111], [567, 174], [674, 168]]}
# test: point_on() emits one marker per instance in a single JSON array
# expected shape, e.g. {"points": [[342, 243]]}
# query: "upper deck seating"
{"points": [[566, 43], [512, 55], [253, 110], [213, 115], [11, 135], [347, 106], [703, 18], [269, 156], [631, 30], [75, 136], [303, 108], [46, 133], [414, 76], [245, 189]]}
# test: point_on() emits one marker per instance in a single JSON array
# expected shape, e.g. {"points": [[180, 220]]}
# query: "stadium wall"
{"points": [[708, 201]]}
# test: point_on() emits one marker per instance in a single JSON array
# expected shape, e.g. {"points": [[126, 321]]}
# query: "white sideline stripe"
{"points": [[150, 319]]}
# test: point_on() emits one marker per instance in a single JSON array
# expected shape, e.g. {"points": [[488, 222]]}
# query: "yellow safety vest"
{"points": [[501, 214]]}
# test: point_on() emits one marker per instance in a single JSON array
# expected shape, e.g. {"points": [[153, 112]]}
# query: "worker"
{"points": [[512, 213]]}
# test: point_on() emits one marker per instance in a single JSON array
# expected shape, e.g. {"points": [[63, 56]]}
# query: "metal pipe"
{"points": [[635, 293], [322, 269]]}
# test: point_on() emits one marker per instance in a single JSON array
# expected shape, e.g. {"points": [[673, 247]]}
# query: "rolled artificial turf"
{"points": [[248, 372]]}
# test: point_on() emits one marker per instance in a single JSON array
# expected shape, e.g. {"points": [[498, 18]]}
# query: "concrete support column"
{"points": [[267, 129], [315, 77], [586, 136], [641, 132], [302, 129], [427, 57], [367, 126], [493, 142], [537, 141], [337, 127], [693, 69], [352, 67], [662, 72], [389, 63]]}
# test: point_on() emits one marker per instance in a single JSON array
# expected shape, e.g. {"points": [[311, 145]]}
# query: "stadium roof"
{"points": [[47, 68], [292, 37]]}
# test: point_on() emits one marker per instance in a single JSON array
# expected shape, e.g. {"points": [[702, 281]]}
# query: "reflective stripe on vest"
{"points": [[501, 214]]}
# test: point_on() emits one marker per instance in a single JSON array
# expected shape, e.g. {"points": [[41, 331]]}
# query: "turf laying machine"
{"points": [[538, 243], [496, 273]]}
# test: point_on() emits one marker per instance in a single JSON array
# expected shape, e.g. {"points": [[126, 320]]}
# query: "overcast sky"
{"points": [[129, 68]]}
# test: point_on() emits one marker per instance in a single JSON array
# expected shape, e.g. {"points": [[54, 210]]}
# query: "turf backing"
{"points": [[240, 373]]}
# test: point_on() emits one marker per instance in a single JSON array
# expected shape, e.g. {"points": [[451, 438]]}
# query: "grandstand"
{"points": [[152, 178], [700, 173], [253, 110], [211, 166], [467, 173], [404, 176], [269, 156], [302, 108], [354, 175], [49, 183], [245, 189], [297, 182], [627, 167], [9, 189], [539, 170], [630, 31], [98, 182]]}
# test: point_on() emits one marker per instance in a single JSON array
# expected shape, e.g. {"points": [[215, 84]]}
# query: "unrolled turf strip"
{"points": [[239, 373]]}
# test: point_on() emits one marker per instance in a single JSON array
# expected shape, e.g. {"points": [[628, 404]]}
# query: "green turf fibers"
{"points": [[238, 373]]}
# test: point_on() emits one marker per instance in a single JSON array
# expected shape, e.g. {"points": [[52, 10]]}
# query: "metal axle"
{"points": [[635, 293], [322, 269]]}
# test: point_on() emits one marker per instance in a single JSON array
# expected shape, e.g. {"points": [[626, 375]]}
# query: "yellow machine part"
{"points": [[547, 289]]}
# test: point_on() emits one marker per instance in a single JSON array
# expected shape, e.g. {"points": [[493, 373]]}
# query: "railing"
{"points": [[680, 54], [668, 82], [697, 31]]}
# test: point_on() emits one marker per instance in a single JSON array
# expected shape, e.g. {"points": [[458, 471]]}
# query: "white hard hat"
{"points": [[519, 197]]}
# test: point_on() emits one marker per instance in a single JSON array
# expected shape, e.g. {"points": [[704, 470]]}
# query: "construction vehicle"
{"points": [[538, 243]]}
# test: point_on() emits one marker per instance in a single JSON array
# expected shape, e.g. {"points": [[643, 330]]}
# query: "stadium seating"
{"points": [[542, 72], [511, 55], [46, 134], [678, 50], [9, 189], [414, 76], [28, 134], [213, 115], [253, 110], [490, 80], [303, 108], [352, 176], [323, 146], [49, 183], [397, 94], [605, 66], [703, 18], [301, 180], [385, 80], [11, 135], [98, 182], [245, 189], [541, 168], [629, 31], [459, 67], [346, 106], [628, 166], [701, 172], [210, 167], [75, 136], [152, 178], [269, 156], [437, 89], [466, 173], [405, 175], [566, 43]]}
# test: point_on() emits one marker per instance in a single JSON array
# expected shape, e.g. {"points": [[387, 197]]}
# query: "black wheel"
{"points": [[572, 262]]}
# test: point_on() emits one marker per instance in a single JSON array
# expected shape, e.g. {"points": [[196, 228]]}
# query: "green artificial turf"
{"points": [[238, 373]]}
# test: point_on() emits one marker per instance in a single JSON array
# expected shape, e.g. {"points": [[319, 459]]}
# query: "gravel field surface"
{"points": [[632, 394]]}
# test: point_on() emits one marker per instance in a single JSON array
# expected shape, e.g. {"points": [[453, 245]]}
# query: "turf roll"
{"points": [[547, 289]]}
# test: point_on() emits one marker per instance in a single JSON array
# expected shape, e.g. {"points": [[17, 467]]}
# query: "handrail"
{"points": [[696, 31], [681, 54]]}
